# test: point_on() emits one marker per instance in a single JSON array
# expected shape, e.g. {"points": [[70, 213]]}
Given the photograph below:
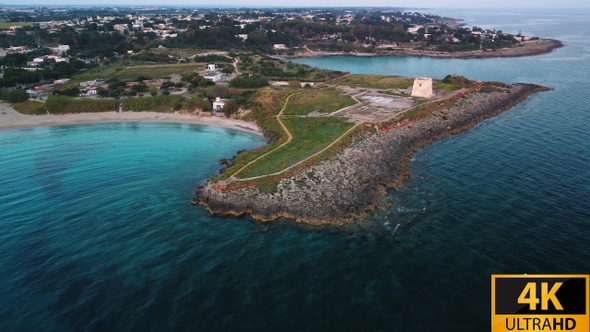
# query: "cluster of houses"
{"points": [[88, 88], [41, 92], [139, 22], [46, 58], [57, 55], [13, 50]]}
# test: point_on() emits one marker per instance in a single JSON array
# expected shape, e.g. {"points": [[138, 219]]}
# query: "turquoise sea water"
{"points": [[97, 231]]}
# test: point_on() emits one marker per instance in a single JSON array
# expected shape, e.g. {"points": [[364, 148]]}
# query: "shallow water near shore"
{"points": [[98, 233]]}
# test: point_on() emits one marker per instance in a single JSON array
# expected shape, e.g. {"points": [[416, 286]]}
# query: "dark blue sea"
{"points": [[97, 231]]}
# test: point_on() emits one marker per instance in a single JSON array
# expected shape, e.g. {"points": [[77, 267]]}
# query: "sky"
{"points": [[319, 3]]}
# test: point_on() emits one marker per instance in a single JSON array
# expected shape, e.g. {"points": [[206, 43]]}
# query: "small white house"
{"points": [[218, 104], [61, 48], [211, 66], [33, 94], [87, 84], [215, 77]]}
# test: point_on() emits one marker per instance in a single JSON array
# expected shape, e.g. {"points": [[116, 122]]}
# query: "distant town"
{"points": [[43, 48]]}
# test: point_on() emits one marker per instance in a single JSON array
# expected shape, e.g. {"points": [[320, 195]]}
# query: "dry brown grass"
{"points": [[271, 100]]}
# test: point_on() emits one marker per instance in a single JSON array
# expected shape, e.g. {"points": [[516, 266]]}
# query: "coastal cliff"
{"points": [[348, 185]]}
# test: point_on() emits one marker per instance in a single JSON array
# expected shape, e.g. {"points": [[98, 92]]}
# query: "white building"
{"points": [[415, 29], [218, 104], [61, 49], [121, 27], [215, 77], [211, 66], [422, 87], [87, 84], [16, 49]]}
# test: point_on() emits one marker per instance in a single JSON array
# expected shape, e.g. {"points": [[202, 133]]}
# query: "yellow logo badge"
{"points": [[540, 303]]}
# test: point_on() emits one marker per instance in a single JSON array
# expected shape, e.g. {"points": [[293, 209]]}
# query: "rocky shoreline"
{"points": [[527, 48], [351, 183]]}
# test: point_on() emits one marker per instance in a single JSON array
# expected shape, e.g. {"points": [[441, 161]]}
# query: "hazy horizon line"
{"points": [[233, 6]]}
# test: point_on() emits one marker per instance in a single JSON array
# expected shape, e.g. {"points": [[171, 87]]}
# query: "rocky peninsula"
{"points": [[351, 183]]}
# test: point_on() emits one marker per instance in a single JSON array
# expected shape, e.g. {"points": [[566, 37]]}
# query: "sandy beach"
{"points": [[11, 119]]}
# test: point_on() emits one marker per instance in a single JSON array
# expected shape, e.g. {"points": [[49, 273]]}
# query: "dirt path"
{"points": [[235, 64], [290, 136], [289, 139]]}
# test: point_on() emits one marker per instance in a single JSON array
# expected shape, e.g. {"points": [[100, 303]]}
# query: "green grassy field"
{"points": [[7, 25], [323, 101], [155, 71], [125, 73], [377, 82], [310, 135], [266, 101]]}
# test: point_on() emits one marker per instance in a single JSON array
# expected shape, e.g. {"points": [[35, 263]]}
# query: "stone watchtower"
{"points": [[422, 87]]}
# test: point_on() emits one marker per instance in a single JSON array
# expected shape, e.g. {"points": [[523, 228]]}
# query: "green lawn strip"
{"points": [[341, 144], [7, 25], [309, 136], [323, 101], [377, 81]]}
